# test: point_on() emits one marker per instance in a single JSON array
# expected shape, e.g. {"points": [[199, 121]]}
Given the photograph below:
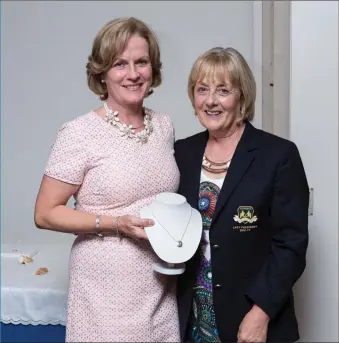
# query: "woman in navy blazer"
{"points": [[251, 190]]}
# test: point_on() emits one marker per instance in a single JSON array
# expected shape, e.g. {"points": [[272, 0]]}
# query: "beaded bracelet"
{"points": [[97, 226]]}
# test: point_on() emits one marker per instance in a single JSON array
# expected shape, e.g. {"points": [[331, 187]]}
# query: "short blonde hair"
{"points": [[226, 65], [110, 42]]}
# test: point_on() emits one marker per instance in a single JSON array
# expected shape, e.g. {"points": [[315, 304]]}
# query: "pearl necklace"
{"points": [[128, 130], [179, 242]]}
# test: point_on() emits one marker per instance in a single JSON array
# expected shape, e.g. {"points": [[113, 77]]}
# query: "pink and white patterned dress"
{"points": [[114, 294]]}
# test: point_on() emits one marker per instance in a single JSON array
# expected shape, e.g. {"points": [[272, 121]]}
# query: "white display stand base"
{"points": [[169, 268]]}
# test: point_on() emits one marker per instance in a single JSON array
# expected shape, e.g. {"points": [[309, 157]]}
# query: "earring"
{"points": [[102, 81], [150, 91]]}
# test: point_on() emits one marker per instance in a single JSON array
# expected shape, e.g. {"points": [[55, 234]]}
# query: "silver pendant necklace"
{"points": [[179, 242]]}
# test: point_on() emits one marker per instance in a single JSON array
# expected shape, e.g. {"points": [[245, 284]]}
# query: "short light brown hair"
{"points": [[110, 42], [227, 65]]}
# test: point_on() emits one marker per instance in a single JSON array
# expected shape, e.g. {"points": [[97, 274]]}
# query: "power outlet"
{"points": [[311, 203]]}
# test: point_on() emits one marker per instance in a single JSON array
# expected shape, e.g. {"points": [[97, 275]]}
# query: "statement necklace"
{"points": [[128, 130], [179, 242], [209, 165]]}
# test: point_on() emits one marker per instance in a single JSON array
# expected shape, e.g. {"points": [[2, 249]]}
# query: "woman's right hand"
{"points": [[133, 226]]}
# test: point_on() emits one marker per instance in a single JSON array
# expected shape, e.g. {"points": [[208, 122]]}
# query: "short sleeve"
{"points": [[68, 160], [170, 126], [172, 130]]}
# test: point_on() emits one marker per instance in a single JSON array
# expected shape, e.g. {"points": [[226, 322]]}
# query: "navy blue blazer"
{"points": [[258, 261]]}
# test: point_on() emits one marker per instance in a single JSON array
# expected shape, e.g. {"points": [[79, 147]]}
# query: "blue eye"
{"points": [[143, 62], [202, 89], [119, 64], [223, 91]]}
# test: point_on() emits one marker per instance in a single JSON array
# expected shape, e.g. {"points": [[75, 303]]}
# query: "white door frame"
{"points": [[281, 68], [258, 60], [271, 55]]}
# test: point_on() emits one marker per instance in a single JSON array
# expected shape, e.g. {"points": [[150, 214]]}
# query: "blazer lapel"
{"points": [[195, 160], [241, 161]]}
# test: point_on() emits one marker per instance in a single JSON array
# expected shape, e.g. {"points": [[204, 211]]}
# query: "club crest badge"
{"points": [[245, 215]]}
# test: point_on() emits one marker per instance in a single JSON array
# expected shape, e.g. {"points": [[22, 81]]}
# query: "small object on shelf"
{"points": [[25, 259], [41, 271]]}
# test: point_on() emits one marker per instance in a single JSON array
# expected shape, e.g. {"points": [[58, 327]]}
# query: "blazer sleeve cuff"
{"points": [[259, 297]]}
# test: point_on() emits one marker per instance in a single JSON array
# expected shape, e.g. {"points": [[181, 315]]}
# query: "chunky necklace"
{"points": [[128, 130], [179, 242], [209, 165]]}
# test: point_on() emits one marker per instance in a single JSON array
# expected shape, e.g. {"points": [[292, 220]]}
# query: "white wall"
{"points": [[314, 128], [45, 45]]}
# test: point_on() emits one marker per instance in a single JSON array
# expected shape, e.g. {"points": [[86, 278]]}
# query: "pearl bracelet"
{"points": [[97, 226]]}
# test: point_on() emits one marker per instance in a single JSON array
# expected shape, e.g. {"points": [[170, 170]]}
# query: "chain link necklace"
{"points": [[179, 242], [128, 130]]}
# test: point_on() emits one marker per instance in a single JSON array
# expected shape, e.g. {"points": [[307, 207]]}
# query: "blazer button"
{"points": [[216, 246], [217, 285]]}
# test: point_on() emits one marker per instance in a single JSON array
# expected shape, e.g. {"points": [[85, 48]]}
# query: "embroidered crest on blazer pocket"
{"points": [[245, 216]]}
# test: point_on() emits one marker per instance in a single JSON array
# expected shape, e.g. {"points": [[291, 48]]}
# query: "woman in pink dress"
{"points": [[114, 161]]}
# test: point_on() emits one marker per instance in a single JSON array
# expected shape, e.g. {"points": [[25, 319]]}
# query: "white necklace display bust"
{"points": [[176, 234]]}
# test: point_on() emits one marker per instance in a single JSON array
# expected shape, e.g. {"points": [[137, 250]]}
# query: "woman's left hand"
{"points": [[253, 327]]}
